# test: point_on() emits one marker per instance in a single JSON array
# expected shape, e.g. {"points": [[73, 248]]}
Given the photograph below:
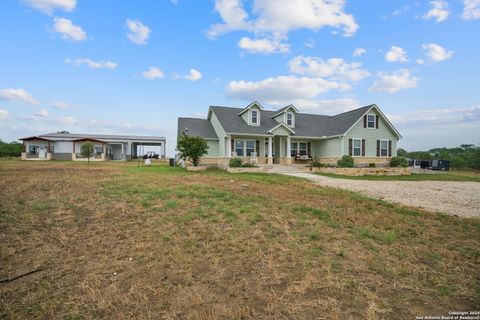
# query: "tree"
{"points": [[87, 150], [402, 153], [191, 148], [12, 149]]}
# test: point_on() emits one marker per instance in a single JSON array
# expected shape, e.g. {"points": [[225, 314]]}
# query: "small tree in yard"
{"points": [[87, 150], [191, 148]]}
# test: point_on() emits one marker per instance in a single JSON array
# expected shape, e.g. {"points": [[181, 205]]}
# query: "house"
{"points": [[287, 136], [67, 146]]}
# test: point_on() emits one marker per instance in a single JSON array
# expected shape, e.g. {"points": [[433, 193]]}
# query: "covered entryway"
{"points": [[116, 151]]}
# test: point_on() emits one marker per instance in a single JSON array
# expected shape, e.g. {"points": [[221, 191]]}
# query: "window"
{"points": [[52, 149], [254, 117], [290, 119], [383, 148], [371, 121], [244, 147], [293, 149], [357, 147], [302, 148], [239, 147], [32, 149], [98, 150]]}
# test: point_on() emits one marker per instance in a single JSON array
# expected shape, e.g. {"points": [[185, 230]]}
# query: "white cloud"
{"points": [[20, 95], [420, 61], [265, 45], [4, 114], [334, 68], [138, 32], [194, 75], [49, 6], [41, 113], [439, 11], [436, 53], [153, 73], [279, 89], [68, 30], [359, 52], [471, 9], [327, 107], [92, 64], [394, 82], [438, 116], [61, 105], [271, 17], [396, 54], [310, 43], [397, 12]]}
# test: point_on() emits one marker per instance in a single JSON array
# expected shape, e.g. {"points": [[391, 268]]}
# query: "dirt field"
{"points": [[112, 241], [451, 197]]}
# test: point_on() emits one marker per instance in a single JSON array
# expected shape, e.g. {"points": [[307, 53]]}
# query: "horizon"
{"points": [[80, 66]]}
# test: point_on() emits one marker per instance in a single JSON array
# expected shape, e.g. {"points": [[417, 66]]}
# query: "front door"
{"points": [[41, 152]]}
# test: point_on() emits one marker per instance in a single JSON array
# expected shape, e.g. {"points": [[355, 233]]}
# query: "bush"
{"points": [[248, 165], [345, 162], [316, 163], [399, 162], [235, 163], [372, 165]]}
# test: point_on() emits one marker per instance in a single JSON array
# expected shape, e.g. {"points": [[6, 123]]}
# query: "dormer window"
{"points": [[255, 117], [290, 119], [371, 121]]}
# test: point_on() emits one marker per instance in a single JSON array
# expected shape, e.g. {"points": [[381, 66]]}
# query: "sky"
{"points": [[134, 67]]}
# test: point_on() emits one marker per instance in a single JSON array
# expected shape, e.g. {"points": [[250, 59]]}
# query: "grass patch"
{"points": [[126, 242]]}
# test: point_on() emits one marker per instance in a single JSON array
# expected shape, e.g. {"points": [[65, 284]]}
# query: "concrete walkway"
{"points": [[450, 197]]}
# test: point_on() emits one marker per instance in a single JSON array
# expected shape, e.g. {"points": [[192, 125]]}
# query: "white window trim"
{"points": [[244, 146], [386, 140], [293, 119], [374, 120], [353, 147], [298, 146], [258, 118]]}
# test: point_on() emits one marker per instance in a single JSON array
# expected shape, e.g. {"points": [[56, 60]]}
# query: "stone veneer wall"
{"points": [[359, 161], [400, 171]]}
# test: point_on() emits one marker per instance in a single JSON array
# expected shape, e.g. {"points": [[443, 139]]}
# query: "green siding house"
{"points": [[287, 136]]}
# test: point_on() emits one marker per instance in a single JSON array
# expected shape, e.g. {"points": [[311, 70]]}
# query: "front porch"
{"points": [[268, 150]]}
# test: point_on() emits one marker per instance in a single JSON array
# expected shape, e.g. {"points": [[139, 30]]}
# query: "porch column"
{"points": [[289, 151], [270, 153], [288, 155], [228, 151]]}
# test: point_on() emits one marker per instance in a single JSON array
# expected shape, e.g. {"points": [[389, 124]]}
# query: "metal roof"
{"points": [[74, 136], [196, 127]]}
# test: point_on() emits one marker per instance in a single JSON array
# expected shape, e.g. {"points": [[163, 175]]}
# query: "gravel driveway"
{"points": [[450, 197]]}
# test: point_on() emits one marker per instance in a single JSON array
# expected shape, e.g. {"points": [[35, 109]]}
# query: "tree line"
{"points": [[464, 156], [10, 149]]}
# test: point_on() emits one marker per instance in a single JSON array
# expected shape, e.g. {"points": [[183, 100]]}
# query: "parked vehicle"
{"points": [[419, 164], [443, 165], [151, 155]]}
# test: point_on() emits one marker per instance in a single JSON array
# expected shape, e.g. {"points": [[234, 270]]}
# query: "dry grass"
{"points": [[120, 242]]}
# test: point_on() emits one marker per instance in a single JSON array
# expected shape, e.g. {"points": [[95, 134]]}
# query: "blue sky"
{"points": [[136, 66]]}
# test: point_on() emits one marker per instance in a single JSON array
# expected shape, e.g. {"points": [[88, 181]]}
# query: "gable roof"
{"points": [[282, 110], [254, 103], [196, 127], [306, 125]]}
